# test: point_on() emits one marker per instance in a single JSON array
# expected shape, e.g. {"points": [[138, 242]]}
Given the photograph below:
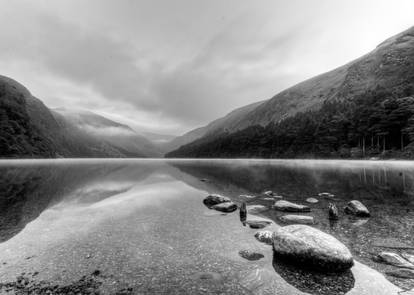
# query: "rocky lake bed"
{"points": [[206, 227]]}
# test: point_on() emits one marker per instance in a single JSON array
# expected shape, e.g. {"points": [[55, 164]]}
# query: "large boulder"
{"points": [[287, 206], [300, 219], [394, 259], [215, 199], [357, 208], [225, 207], [309, 246]]}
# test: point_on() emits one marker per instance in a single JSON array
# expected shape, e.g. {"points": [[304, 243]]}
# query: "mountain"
{"points": [[384, 75], [231, 121], [118, 135], [28, 129]]}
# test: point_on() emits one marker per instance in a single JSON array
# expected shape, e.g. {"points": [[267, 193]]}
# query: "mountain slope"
{"points": [[121, 136], [386, 72], [28, 129], [230, 121]]}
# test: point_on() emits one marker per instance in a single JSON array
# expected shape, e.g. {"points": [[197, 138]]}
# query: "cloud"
{"points": [[170, 66]]}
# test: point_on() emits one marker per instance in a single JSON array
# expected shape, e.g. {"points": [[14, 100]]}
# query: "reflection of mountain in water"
{"points": [[26, 191]]}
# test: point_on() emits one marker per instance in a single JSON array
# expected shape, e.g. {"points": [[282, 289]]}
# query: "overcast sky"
{"points": [[169, 66]]}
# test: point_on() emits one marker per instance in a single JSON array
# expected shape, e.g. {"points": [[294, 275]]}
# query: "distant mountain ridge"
{"points": [[28, 129], [388, 69], [231, 121]]}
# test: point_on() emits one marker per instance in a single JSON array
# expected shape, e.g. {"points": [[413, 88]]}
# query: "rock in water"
{"points": [[409, 257], [243, 213], [254, 209], [312, 200], [225, 207], [357, 208], [268, 193], [290, 207], [250, 255], [333, 212], [309, 246], [258, 223], [215, 199], [395, 259], [326, 195], [404, 273], [301, 219], [264, 236]]}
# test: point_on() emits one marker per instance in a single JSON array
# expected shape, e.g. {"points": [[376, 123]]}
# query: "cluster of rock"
{"points": [[296, 243]]}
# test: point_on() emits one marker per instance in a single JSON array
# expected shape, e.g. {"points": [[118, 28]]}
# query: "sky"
{"points": [[170, 66]]}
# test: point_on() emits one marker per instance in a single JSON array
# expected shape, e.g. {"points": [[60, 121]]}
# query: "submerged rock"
{"points": [[357, 208], [333, 212], [312, 200], [264, 236], [258, 223], [225, 207], [254, 209], [290, 207], [305, 244], [408, 257], [404, 273], [215, 199], [326, 195], [247, 196], [394, 259], [301, 219], [250, 255]]}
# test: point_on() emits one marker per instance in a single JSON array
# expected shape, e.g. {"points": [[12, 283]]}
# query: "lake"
{"points": [[135, 226]]}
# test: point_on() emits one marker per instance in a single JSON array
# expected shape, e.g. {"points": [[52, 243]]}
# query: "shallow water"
{"points": [[142, 225]]}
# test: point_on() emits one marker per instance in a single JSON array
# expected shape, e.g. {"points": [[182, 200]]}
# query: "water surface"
{"points": [[139, 226]]}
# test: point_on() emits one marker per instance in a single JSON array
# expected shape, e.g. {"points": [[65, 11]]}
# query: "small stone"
{"points": [[404, 273], [225, 207], [290, 207], [326, 195], [264, 236], [357, 208], [247, 196], [300, 219], [408, 257], [215, 199], [258, 223], [254, 209], [333, 212], [394, 259], [250, 255], [243, 212], [312, 200]]}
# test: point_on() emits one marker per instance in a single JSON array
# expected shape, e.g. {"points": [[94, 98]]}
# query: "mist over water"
{"points": [[142, 222]]}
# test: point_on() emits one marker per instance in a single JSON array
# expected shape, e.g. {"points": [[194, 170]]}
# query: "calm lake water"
{"points": [[140, 227]]}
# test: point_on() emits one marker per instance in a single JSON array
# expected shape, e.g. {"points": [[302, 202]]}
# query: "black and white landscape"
{"points": [[207, 147]]}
